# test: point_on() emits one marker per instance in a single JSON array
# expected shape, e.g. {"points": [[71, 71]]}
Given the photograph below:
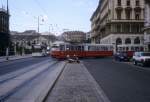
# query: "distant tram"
{"points": [[130, 49], [61, 50]]}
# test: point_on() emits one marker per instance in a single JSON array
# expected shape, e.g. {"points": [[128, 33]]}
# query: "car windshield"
{"points": [[145, 54]]}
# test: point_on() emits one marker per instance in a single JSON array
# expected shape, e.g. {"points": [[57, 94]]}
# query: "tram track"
{"points": [[13, 75], [22, 79]]}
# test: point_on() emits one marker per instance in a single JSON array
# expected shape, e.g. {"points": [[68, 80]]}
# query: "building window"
{"points": [[128, 14], [137, 3], [118, 27], [137, 16], [119, 2], [128, 41], [137, 40], [128, 2], [126, 28], [118, 41], [136, 28], [119, 14]]}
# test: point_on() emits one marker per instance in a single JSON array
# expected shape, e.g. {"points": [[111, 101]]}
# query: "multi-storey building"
{"points": [[147, 25], [4, 30], [88, 37], [74, 36], [118, 22], [25, 40]]}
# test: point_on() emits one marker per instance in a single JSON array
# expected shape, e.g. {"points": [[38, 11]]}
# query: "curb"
{"points": [[14, 59], [102, 96], [47, 90]]}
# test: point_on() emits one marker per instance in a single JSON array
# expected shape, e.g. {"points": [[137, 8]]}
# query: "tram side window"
{"points": [[67, 47], [102, 48], [79, 48], [71, 48], [136, 48], [62, 47], [127, 48], [89, 48], [141, 49], [96, 48], [106, 48], [132, 48], [82, 48]]}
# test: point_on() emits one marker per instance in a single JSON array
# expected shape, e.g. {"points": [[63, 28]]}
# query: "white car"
{"points": [[142, 58]]}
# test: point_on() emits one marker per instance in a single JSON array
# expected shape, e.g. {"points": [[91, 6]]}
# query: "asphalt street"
{"points": [[121, 81], [10, 66]]}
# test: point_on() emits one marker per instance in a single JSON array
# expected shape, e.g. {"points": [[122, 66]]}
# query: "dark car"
{"points": [[121, 56]]}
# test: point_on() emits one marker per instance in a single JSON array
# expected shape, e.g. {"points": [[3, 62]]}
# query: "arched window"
{"points": [[137, 40], [128, 41], [118, 41]]}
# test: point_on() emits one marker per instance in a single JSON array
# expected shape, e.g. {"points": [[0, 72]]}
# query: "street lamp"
{"points": [[38, 22]]}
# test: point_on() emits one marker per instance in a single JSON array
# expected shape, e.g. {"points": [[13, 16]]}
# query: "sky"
{"points": [[55, 16]]}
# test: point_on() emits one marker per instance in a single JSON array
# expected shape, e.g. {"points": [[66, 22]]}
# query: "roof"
{"points": [[96, 11]]}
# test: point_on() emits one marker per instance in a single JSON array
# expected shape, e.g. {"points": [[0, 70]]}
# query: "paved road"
{"points": [[121, 82], [10, 66]]}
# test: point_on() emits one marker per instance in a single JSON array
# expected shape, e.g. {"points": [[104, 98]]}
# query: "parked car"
{"points": [[142, 58], [121, 56]]}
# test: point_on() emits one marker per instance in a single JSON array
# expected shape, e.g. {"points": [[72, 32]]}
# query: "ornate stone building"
{"points": [[25, 40], [118, 22], [4, 31], [74, 36], [147, 25]]}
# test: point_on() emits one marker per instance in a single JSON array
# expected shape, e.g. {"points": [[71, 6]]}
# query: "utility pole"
{"points": [[38, 24], [49, 33], [38, 29]]}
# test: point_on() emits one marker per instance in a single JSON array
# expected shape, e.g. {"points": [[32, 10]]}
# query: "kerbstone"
{"points": [[76, 85]]}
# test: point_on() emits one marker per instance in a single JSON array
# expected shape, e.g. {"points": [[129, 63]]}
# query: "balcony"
{"points": [[125, 20], [137, 7], [128, 7], [119, 7]]}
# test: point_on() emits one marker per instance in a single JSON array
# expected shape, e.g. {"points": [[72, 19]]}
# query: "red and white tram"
{"points": [[61, 50], [130, 49]]}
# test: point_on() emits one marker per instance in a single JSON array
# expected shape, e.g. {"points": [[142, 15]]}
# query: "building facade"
{"points": [[147, 25], [74, 36], [23, 41], [88, 37], [4, 31], [118, 22]]}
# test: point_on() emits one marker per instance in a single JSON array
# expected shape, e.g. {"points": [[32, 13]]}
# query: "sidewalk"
{"points": [[76, 85], [3, 59]]}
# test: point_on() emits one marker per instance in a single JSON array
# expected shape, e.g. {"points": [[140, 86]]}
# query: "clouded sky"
{"points": [[55, 15]]}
